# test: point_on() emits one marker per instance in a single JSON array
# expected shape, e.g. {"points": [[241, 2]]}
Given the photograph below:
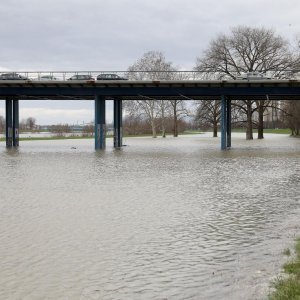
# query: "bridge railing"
{"points": [[147, 75], [130, 75]]}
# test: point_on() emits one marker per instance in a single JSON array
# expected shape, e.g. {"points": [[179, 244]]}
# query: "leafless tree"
{"points": [[152, 66], [164, 111], [60, 129], [179, 110], [147, 109], [88, 130], [30, 123], [208, 114], [248, 49], [135, 125], [292, 110]]}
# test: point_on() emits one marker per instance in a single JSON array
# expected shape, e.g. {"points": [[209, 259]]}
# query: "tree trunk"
{"points": [[163, 127], [153, 129], [260, 128], [215, 129], [249, 131], [175, 121], [175, 126]]}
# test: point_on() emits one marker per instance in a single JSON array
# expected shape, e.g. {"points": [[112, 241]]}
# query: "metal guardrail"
{"points": [[131, 75], [143, 75]]}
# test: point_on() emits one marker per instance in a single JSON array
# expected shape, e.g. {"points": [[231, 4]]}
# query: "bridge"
{"points": [[117, 90]]}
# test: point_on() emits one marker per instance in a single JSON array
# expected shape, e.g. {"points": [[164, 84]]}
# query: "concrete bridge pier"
{"points": [[100, 128], [118, 123], [225, 122], [12, 122]]}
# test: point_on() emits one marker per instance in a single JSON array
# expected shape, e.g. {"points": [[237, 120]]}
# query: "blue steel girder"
{"points": [[280, 90]]}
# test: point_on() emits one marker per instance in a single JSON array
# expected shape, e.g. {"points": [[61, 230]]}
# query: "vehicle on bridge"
{"points": [[110, 77], [47, 77], [252, 76], [12, 76], [81, 77]]}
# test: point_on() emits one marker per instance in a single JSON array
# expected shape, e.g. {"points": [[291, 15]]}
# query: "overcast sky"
{"points": [[99, 35]]}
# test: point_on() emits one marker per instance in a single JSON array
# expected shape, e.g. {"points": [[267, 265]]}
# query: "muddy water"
{"points": [[159, 219]]}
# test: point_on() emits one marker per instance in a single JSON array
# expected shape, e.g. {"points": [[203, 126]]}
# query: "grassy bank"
{"points": [[74, 137], [276, 131], [51, 138], [288, 287], [36, 138]]}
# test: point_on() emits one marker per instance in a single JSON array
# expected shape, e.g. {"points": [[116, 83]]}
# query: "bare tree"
{"points": [[60, 129], [152, 66], [209, 114], [30, 123], [292, 110], [248, 49], [88, 130], [179, 110], [164, 109], [148, 109]]}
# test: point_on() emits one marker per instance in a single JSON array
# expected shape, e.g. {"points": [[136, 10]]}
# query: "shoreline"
{"points": [[74, 136], [287, 285]]}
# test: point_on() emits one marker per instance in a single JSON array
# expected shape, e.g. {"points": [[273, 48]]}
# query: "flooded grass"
{"points": [[276, 131], [289, 287]]}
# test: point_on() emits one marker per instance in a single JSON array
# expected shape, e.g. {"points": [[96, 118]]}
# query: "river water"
{"points": [[160, 219]]}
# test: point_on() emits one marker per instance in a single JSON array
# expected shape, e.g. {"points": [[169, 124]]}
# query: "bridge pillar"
{"points": [[9, 122], [225, 123], [117, 123], [100, 130], [228, 119], [15, 122]]}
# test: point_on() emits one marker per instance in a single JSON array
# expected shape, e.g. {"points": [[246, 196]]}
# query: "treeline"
{"points": [[228, 56], [25, 124], [164, 117], [251, 114], [136, 125]]}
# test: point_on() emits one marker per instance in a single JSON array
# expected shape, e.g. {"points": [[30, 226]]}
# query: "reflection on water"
{"points": [[158, 219]]}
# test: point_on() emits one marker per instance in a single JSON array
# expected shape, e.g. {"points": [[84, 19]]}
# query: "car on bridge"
{"points": [[12, 76], [252, 76], [81, 77], [110, 77], [47, 77]]}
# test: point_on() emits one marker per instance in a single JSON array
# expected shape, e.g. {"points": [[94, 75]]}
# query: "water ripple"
{"points": [[161, 219]]}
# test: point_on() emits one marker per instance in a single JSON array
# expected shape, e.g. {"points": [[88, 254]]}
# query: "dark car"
{"points": [[12, 76], [110, 77], [81, 77]]}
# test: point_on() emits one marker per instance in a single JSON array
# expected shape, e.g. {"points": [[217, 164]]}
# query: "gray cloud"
{"points": [[98, 34]]}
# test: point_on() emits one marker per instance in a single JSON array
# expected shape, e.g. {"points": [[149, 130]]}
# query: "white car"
{"points": [[252, 76], [47, 77]]}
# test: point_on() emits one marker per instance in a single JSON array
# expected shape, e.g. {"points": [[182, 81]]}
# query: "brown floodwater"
{"points": [[172, 218]]}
